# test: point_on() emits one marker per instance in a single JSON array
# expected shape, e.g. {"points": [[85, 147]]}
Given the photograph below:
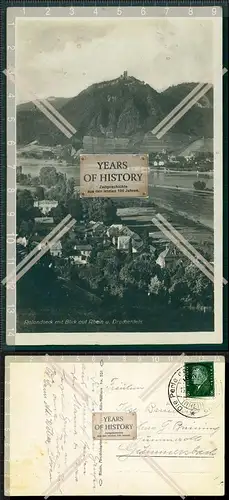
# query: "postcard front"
{"points": [[137, 248], [114, 426]]}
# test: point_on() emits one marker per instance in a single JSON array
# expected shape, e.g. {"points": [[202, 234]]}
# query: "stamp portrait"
{"points": [[191, 389], [199, 379]]}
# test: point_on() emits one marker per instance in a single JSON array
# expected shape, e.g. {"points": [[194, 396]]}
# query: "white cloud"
{"points": [[62, 57]]}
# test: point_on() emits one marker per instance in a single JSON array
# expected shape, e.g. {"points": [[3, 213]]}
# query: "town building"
{"points": [[166, 256], [45, 205], [122, 237], [114, 230], [158, 163], [22, 241], [96, 227], [44, 220], [124, 243], [81, 255], [56, 249]]}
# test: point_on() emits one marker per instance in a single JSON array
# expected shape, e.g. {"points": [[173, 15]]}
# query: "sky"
{"points": [[61, 58]]}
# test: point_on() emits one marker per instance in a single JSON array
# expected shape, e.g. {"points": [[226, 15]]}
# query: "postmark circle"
{"points": [[187, 406]]}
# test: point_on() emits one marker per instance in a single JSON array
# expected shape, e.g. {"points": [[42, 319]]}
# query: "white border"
{"points": [[142, 338], [102, 363]]}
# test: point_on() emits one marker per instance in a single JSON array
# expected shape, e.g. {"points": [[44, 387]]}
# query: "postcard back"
{"points": [[114, 425]]}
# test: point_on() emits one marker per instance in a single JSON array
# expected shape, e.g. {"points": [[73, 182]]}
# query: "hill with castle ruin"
{"points": [[119, 112]]}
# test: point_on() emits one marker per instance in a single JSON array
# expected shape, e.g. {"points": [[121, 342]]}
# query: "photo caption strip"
{"points": [[13, 13], [100, 363]]}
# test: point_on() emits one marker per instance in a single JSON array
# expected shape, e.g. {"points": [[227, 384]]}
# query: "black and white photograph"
{"points": [[113, 270]]}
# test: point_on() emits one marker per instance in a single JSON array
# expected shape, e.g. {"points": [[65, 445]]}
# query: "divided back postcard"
{"points": [[114, 425], [114, 175]]}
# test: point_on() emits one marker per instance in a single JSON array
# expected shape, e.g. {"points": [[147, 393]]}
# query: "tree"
{"points": [[58, 213], [25, 208], [26, 228], [35, 181], [74, 207], [35, 281], [200, 288], [26, 212], [69, 240], [63, 268], [48, 176], [94, 277], [102, 272], [190, 288], [40, 193], [156, 286], [23, 179], [146, 240], [25, 200], [70, 187], [100, 209], [94, 209], [57, 193], [108, 261], [199, 185], [139, 271], [109, 211]]}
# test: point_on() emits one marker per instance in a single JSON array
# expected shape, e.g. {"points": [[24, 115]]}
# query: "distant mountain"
{"points": [[198, 121], [57, 102], [121, 108], [200, 146], [176, 93]]}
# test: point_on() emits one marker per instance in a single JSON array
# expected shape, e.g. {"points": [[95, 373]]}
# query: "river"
{"points": [[156, 178], [173, 191]]}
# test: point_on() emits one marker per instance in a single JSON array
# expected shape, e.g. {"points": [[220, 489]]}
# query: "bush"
{"points": [[200, 185]]}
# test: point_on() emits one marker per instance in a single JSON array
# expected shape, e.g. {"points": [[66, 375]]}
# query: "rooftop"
{"points": [[124, 242], [45, 202], [44, 220], [82, 247], [122, 230], [55, 246]]}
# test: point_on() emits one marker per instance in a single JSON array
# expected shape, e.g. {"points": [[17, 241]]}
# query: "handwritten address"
{"points": [[83, 440]]}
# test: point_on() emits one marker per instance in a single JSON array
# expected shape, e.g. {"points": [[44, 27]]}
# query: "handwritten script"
{"points": [[74, 393]]}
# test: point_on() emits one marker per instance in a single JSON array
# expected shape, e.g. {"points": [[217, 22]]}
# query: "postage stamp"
{"points": [[199, 379], [133, 246], [114, 425], [191, 390]]}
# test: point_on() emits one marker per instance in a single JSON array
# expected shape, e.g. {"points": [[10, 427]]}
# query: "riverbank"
{"points": [[193, 206], [180, 188], [182, 214]]}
